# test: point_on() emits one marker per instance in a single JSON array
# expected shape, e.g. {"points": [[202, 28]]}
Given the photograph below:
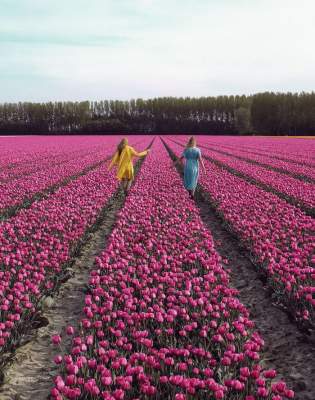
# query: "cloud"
{"points": [[130, 48]]}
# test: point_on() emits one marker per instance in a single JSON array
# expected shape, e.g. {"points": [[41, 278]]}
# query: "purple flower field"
{"points": [[160, 317]]}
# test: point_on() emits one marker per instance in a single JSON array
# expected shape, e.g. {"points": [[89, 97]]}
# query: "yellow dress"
{"points": [[124, 162]]}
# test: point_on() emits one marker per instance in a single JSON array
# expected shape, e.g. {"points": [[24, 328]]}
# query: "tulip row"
{"points": [[160, 320], [18, 191], [37, 245], [10, 173], [286, 149], [26, 150], [30, 150], [296, 191], [14, 193], [285, 167], [279, 236]]}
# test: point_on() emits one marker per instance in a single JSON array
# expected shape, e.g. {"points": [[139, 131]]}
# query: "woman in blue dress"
{"points": [[192, 156]]}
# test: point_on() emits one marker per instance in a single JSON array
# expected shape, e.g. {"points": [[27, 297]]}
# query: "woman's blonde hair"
{"points": [[123, 143], [191, 142]]}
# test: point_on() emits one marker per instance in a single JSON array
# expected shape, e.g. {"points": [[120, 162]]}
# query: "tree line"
{"points": [[261, 113]]}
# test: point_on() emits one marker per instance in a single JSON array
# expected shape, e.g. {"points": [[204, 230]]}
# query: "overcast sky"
{"points": [[121, 49]]}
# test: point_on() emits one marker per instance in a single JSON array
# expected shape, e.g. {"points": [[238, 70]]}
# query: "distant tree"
{"points": [[263, 113], [242, 118]]}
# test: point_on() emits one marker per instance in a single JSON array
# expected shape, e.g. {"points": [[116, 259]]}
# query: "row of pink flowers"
{"points": [[47, 159], [14, 192], [38, 242], [285, 166], [23, 152], [293, 150], [279, 236], [160, 320], [302, 192], [26, 149]]}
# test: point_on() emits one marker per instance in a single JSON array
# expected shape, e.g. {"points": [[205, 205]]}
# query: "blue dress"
{"points": [[191, 170]]}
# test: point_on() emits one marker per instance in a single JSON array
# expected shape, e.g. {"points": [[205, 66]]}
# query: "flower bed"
{"points": [[36, 246], [285, 166], [298, 192], [160, 320], [15, 192], [49, 158], [279, 236], [38, 243], [292, 150]]}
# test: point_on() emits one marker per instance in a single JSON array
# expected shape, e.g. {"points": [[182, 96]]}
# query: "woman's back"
{"points": [[192, 153]]}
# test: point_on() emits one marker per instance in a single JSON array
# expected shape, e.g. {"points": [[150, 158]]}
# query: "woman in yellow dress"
{"points": [[123, 159]]}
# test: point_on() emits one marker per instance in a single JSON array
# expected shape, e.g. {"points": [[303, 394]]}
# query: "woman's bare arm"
{"points": [[140, 154], [203, 166]]}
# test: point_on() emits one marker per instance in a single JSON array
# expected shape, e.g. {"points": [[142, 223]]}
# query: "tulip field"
{"points": [[160, 316], [279, 236]]}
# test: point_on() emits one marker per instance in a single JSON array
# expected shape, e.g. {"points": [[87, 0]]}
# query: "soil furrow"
{"points": [[29, 375], [287, 349]]}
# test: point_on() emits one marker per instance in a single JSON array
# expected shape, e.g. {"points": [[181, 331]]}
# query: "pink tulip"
{"points": [[56, 339], [58, 359], [70, 330]]}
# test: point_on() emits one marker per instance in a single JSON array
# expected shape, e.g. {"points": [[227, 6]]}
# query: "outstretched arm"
{"points": [[141, 154], [201, 161]]}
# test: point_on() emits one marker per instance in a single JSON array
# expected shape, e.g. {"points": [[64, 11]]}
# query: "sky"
{"points": [[122, 49]]}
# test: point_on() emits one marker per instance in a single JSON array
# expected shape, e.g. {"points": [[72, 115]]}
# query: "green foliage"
{"points": [[283, 113], [262, 113], [243, 120]]}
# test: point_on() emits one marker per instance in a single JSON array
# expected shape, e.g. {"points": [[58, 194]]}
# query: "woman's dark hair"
{"points": [[123, 143]]}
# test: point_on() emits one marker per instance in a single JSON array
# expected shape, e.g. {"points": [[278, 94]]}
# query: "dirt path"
{"points": [[287, 349], [29, 375]]}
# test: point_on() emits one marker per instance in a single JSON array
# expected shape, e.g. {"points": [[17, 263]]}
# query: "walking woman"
{"points": [[192, 156], [123, 159]]}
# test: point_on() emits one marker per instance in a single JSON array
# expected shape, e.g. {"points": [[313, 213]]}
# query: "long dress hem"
{"points": [[191, 170]]}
